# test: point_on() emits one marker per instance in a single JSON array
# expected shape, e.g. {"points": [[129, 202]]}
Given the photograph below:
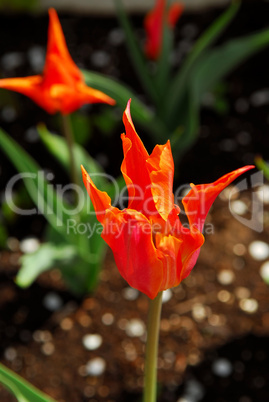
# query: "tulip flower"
{"points": [[152, 249], [154, 26], [61, 87]]}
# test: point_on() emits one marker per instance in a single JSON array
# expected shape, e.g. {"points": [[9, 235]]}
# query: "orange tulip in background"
{"points": [[154, 26], [152, 249], [61, 87]]}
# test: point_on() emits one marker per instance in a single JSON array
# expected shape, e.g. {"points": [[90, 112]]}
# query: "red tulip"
{"points": [[154, 24], [152, 249], [61, 87]]}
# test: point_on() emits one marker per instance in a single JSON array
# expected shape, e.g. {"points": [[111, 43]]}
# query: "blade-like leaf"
{"points": [[135, 52], [40, 190], [46, 257], [22, 389], [262, 165], [177, 88], [120, 92], [218, 62], [55, 142]]}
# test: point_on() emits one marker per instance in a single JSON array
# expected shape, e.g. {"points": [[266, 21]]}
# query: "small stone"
{"points": [[238, 207], [100, 58], [226, 277], [222, 367], [249, 305], [8, 114], [66, 324], [258, 250], [32, 135], [52, 301], [108, 319], [92, 341], [198, 312], [10, 354], [130, 293], [135, 327], [116, 37], [95, 367], [36, 56], [48, 348], [12, 60], [239, 249], [224, 296], [167, 294], [264, 271], [29, 245], [263, 193], [260, 98], [242, 293]]}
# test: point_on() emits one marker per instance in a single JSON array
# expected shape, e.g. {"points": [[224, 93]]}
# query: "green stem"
{"points": [[68, 133], [150, 390]]}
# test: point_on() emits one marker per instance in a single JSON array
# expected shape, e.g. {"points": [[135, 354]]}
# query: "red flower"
{"points": [[61, 87], [154, 24], [152, 249]]}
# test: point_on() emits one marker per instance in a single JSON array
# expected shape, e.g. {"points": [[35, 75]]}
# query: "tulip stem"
{"points": [[150, 390], [68, 133]]}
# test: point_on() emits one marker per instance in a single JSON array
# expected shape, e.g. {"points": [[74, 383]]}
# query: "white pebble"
{"points": [[8, 114], [29, 245], [10, 354], [130, 293], [116, 37], [92, 341], [249, 305], [238, 207], [52, 301], [167, 294], [226, 277], [258, 250], [36, 57], [100, 58], [108, 319], [12, 60], [264, 271], [135, 327], [95, 367], [263, 193], [260, 98], [222, 367], [198, 312]]}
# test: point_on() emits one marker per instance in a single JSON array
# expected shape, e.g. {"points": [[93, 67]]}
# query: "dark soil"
{"points": [[214, 334]]}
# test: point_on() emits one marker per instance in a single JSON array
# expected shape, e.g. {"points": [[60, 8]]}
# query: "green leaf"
{"points": [[218, 62], [22, 389], [121, 93], [43, 259], [212, 68], [54, 142], [135, 53], [178, 85], [263, 166], [40, 190]]}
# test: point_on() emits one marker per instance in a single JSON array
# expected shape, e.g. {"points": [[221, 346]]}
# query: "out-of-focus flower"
{"points": [[153, 250], [61, 86], [154, 25]]}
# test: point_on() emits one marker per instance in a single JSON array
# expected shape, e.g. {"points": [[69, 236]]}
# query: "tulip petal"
{"points": [[174, 13], [161, 168], [200, 198], [100, 199], [57, 46], [129, 235], [135, 169]]}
